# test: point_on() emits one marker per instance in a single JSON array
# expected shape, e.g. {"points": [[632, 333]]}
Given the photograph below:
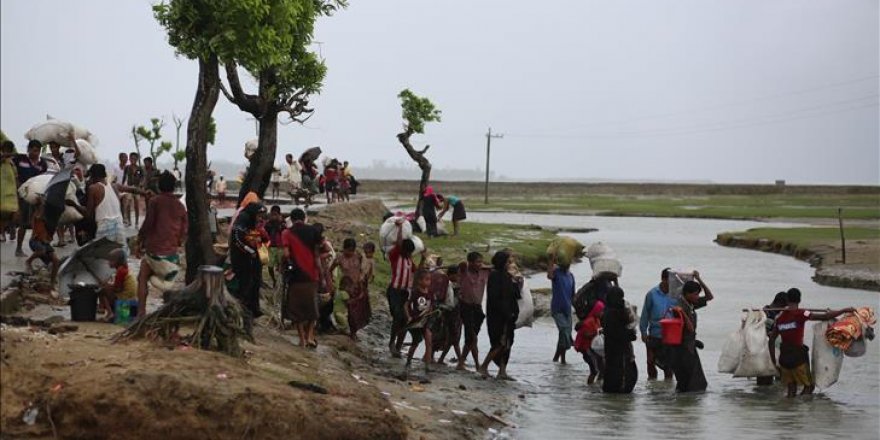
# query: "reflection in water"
{"points": [[559, 404]]}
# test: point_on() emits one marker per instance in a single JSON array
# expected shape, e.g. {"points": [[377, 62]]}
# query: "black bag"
{"points": [[584, 300]]}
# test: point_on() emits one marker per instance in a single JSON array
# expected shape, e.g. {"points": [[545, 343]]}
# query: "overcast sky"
{"points": [[728, 91]]}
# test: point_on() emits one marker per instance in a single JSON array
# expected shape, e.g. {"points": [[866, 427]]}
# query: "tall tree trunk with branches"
{"points": [[265, 107], [419, 157], [199, 246]]}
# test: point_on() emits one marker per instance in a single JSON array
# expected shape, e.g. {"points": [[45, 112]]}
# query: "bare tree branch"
{"points": [[244, 101]]}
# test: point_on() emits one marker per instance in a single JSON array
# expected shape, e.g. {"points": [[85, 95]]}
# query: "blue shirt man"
{"points": [[657, 303]]}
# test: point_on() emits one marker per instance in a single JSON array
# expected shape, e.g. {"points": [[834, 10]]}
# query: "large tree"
{"points": [[417, 111], [271, 44]]}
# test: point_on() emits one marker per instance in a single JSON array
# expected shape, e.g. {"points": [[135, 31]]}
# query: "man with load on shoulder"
{"points": [[794, 360]]}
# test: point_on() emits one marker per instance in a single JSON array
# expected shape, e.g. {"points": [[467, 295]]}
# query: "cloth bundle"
{"points": [[850, 328], [603, 259], [565, 250]]}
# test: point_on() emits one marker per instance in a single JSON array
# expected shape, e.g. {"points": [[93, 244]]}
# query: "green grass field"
{"points": [[806, 237], [528, 244]]}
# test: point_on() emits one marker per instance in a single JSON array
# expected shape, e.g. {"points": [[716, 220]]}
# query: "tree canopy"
{"points": [[417, 111]]}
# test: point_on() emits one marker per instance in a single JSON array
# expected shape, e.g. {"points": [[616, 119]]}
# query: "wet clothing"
{"points": [[790, 325], [657, 303], [620, 373], [396, 300], [799, 375], [684, 359], [165, 225], [472, 317], [502, 293], [302, 301], [563, 291], [563, 324]]}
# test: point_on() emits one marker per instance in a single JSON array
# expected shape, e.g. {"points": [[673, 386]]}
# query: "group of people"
{"points": [[430, 202], [433, 304], [103, 201], [301, 263], [601, 309]]}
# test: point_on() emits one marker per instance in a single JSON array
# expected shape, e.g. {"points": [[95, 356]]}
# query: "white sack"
{"points": [[731, 353], [827, 360], [526, 307], [388, 232], [250, 147], [87, 154], [598, 344], [755, 359]]}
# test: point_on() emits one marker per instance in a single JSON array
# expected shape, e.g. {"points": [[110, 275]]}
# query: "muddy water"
{"points": [[558, 404]]}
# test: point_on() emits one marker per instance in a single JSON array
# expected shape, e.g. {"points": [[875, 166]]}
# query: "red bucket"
{"points": [[672, 329]]}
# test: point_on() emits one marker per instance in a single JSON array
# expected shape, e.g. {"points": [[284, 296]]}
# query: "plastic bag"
{"points": [[827, 360], [526, 307], [676, 280], [731, 353], [603, 259], [388, 232], [755, 360], [598, 344]]}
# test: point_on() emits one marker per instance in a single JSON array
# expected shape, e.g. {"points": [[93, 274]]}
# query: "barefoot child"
{"points": [[587, 330], [350, 263], [121, 286], [40, 243], [274, 227], [452, 315], [419, 310]]}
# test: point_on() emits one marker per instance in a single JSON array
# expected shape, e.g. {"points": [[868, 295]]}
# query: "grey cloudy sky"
{"points": [[729, 91]]}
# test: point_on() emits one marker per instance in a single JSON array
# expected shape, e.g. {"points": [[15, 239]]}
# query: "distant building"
{"points": [[780, 182]]}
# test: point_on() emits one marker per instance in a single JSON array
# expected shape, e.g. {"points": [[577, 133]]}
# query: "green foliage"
{"points": [[153, 135], [417, 111], [179, 156], [3, 136], [212, 131]]}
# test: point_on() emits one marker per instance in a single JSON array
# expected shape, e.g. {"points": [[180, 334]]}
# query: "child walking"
{"points": [[587, 330], [419, 310]]}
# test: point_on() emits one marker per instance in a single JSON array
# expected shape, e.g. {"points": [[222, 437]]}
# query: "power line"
{"points": [[737, 103], [848, 105]]}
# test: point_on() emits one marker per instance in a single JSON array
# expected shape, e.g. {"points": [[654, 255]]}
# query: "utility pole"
{"points": [[489, 137]]}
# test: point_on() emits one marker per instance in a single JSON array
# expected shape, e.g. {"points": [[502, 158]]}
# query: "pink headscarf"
{"points": [[429, 190]]}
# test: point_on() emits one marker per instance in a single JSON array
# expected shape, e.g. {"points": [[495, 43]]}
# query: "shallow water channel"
{"points": [[559, 404]]}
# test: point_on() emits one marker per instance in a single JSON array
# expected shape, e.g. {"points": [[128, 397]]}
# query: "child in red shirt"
{"points": [[587, 330]]}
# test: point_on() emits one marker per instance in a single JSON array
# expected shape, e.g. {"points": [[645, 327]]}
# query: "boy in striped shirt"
{"points": [[401, 260]]}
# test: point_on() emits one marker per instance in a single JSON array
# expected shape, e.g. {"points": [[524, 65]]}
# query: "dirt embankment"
{"points": [[860, 272], [77, 384]]}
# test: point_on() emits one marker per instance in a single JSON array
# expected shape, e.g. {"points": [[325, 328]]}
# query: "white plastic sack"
{"points": [[420, 246], [603, 259], [250, 147], [34, 188], [755, 359], [388, 232], [827, 360], [87, 154], [54, 130], [598, 344], [422, 225], [731, 353], [526, 307], [676, 280]]}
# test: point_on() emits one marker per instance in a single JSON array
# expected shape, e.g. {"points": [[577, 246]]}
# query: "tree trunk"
{"points": [[199, 246], [259, 172], [262, 163], [421, 161]]}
